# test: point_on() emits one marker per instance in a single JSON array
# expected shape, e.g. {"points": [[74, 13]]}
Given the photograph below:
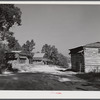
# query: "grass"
{"points": [[89, 76], [93, 79]]}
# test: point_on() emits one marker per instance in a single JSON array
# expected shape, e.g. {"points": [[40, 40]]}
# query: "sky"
{"points": [[65, 26]]}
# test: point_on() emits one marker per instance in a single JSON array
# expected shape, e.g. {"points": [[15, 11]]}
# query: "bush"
{"points": [[62, 61]]}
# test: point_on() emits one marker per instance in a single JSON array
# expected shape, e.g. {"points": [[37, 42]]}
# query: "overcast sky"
{"points": [[65, 26]]}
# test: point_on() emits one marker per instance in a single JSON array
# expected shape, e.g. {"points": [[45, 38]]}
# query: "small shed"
{"points": [[86, 58]]}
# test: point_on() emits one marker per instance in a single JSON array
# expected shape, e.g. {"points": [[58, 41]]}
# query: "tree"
{"points": [[62, 60], [9, 15], [13, 44], [17, 46], [54, 53], [28, 46], [51, 52], [47, 50]]}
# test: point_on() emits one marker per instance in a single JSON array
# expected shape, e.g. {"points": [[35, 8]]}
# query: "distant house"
{"points": [[39, 58], [86, 58], [18, 57]]}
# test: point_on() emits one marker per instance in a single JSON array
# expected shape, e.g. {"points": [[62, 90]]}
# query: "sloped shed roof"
{"points": [[92, 45], [95, 45], [80, 48]]}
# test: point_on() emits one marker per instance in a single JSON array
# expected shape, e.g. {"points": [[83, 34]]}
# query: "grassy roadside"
{"points": [[92, 79], [89, 76]]}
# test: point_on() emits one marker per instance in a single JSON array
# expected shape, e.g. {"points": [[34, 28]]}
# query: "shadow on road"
{"points": [[44, 81]]}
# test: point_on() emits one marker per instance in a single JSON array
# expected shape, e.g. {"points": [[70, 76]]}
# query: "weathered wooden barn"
{"points": [[39, 58], [18, 56], [86, 58], [18, 60]]}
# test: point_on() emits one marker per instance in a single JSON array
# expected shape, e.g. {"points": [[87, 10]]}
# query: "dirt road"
{"points": [[45, 78], [44, 81]]}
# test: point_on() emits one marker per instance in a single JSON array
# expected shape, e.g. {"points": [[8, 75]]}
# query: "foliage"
{"points": [[28, 46], [52, 53], [62, 60], [17, 46], [47, 50], [9, 15], [13, 44], [2, 56]]}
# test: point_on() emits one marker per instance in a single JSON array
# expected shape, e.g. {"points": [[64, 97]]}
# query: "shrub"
{"points": [[62, 60]]}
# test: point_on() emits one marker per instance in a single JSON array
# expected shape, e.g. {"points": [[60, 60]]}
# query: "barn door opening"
{"points": [[79, 67]]}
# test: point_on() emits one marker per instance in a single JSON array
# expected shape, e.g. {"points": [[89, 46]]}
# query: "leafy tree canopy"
{"points": [[51, 52], [13, 44], [9, 15], [28, 46]]}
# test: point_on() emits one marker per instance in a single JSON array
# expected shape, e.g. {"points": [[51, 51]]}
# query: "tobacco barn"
{"points": [[86, 58]]}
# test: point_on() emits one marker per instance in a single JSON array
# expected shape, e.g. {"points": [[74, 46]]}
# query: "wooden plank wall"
{"points": [[92, 59]]}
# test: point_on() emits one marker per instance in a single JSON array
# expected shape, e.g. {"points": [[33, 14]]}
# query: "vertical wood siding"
{"points": [[77, 61]]}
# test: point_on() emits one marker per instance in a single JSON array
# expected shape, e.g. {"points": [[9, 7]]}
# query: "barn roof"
{"points": [[80, 48], [20, 53], [92, 45], [95, 45], [40, 55]]}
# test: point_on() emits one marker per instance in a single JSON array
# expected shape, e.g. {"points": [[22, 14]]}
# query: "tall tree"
{"points": [[50, 52], [28, 46], [9, 16], [17, 46], [47, 50]]}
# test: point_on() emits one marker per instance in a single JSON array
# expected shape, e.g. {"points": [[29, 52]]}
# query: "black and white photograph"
{"points": [[50, 47]]}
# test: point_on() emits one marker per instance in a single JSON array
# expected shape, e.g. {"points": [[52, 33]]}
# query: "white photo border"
{"points": [[5, 94]]}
